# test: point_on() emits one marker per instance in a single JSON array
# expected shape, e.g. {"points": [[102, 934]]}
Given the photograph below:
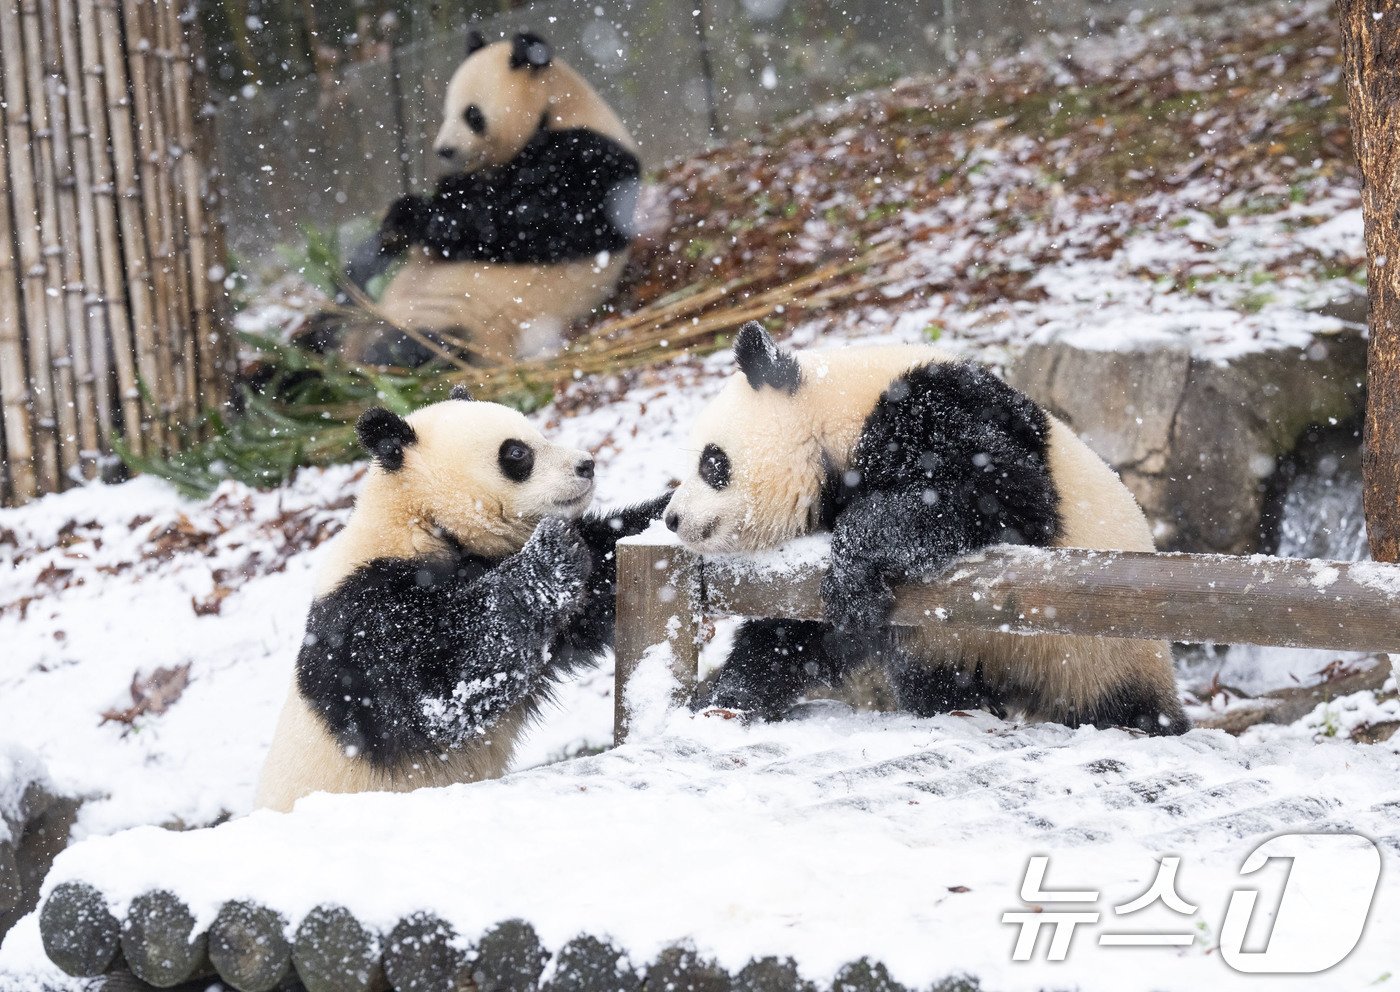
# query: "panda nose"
{"points": [[673, 521], [584, 469], [446, 152]]}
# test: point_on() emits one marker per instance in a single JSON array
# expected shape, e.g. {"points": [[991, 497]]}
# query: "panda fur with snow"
{"points": [[468, 580], [910, 459], [530, 231]]}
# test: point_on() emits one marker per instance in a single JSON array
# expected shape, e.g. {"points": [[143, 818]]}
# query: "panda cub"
{"points": [[467, 581], [910, 459], [531, 228]]}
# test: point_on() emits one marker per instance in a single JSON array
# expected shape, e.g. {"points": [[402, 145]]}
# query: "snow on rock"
{"points": [[827, 839]]}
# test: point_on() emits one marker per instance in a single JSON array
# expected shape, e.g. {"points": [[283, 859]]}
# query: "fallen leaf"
{"points": [[153, 694]]}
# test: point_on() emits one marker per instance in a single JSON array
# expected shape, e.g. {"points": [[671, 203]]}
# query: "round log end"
{"points": [[865, 976], [334, 952], [424, 953], [771, 975], [509, 958], [159, 941], [248, 947], [586, 964], [680, 969], [79, 932]]}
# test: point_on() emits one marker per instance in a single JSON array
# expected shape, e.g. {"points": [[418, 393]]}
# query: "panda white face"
{"points": [[496, 101], [759, 468], [479, 471]]}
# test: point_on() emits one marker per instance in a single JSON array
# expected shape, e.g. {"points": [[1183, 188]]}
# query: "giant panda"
{"points": [[531, 229], [909, 459], [467, 581]]}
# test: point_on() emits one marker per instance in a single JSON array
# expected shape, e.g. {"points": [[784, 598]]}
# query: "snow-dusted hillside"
{"points": [[1226, 241]]}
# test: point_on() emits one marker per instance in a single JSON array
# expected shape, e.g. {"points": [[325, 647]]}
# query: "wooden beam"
{"points": [[1283, 602], [657, 604]]}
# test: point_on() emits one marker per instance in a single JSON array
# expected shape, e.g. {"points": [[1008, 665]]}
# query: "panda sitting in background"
{"points": [[531, 230], [455, 598], [910, 459]]}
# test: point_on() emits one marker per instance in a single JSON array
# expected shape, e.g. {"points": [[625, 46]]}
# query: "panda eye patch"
{"points": [[517, 460], [714, 467], [475, 119]]}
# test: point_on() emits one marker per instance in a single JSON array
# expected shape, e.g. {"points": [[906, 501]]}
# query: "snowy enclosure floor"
{"points": [[830, 838], [827, 839]]}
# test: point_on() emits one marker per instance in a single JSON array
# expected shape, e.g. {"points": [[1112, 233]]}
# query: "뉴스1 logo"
{"points": [[1255, 938]]}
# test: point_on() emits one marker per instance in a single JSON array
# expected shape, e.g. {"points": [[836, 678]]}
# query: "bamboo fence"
{"points": [[111, 265]]}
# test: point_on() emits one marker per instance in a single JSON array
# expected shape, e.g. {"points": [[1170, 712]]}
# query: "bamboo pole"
{"points": [[15, 397], [220, 357], [184, 395], [97, 389], [203, 344], [76, 263], [120, 343], [23, 184], [51, 242], [155, 193], [149, 434]]}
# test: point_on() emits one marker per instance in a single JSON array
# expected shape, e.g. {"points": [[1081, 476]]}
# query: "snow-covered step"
{"points": [[714, 847]]}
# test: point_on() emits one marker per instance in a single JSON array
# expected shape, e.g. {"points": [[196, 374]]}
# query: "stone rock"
{"points": [[1195, 438]]}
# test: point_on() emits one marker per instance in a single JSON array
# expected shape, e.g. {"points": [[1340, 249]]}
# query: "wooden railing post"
{"points": [[658, 593]]}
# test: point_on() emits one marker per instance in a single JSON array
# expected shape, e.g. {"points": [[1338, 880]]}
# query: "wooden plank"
{"points": [[1281, 602], [657, 603]]}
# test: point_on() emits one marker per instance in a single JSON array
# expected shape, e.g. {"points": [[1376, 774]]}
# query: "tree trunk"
{"points": [[1371, 55]]}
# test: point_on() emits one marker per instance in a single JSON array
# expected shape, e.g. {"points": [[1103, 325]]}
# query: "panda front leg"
{"points": [[405, 223], [398, 667], [885, 537], [772, 664]]}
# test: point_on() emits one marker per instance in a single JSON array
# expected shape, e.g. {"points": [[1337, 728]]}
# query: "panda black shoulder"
{"points": [[348, 630], [954, 428]]}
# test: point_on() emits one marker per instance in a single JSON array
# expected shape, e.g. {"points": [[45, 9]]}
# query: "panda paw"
{"points": [[402, 225], [856, 601], [563, 562]]}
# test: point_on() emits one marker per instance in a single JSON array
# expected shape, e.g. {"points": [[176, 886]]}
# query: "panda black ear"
{"points": [[763, 362], [475, 42], [385, 435], [460, 392], [530, 51]]}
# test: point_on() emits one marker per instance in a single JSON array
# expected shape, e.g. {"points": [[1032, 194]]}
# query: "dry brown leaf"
{"points": [[152, 694]]}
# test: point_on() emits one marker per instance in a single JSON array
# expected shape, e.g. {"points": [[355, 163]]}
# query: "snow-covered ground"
{"points": [[828, 838]]}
